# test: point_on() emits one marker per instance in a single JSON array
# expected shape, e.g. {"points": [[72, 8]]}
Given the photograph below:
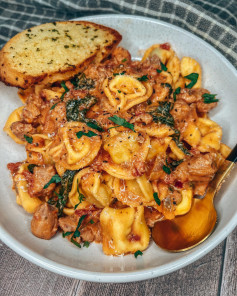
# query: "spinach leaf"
{"points": [[76, 109], [162, 114], [81, 82], [176, 92], [65, 89], [163, 68]]}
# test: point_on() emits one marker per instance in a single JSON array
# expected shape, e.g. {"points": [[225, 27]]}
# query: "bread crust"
{"points": [[14, 77]]}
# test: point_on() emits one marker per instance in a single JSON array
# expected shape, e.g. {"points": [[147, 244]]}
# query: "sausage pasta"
{"points": [[116, 148]]}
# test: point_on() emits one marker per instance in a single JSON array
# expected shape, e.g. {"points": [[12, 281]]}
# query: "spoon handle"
{"points": [[233, 155]]}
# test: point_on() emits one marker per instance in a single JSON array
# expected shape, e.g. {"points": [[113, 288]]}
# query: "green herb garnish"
{"points": [[31, 167], [168, 86], [163, 68], [176, 138], [86, 244], [54, 105], [162, 114], [156, 198], [55, 179], [77, 232], [94, 125], [65, 89], [122, 122], [75, 243], [166, 169], [193, 77], [89, 134], [81, 197], [138, 253], [124, 60], [67, 233], [122, 73], [176, 92], [209, 98], [81, 82], [28, 139], [91, 221], [143, 78], [76, 109]]}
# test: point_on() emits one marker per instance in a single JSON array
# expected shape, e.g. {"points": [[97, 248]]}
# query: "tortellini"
{"points": [[124, 230], [72, 152], [29, 203], [124, 149], [124, 92], [14, 116], [95, 186]]}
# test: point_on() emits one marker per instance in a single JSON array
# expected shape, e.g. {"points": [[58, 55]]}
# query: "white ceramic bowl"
{"points": [[60, 256]]}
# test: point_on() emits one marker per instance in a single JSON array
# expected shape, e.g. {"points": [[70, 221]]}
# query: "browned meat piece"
{"points": [[201, 165], [31, 112], [13, 167], [202, 107], [20, 129], [44, 223], [196, 168], [55, 118], [152, 216], [195, 96], [41, 176], [120, 54], [180, 110], [88, 231], [144, 117], [200, 188]]}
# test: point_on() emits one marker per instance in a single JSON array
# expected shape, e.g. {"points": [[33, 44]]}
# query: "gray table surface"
{"points": [[214, 274]]}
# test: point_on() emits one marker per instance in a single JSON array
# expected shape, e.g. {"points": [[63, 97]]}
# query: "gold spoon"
{"points": [[187, 231]]}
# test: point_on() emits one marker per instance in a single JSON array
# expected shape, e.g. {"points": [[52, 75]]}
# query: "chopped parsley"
{"points": [[209, 98], [122, 122], [54, 105], [138, 253], [81, 197], [77, 232], [28, 139], [75, 242], [55, 179], [143, 78], [91, 221], [86, 244], [124, 60], [67, 233], [89, 134], [193, 77], [66, 89], [166, 169], [94, 125], [76, 109], [163, 68], [176, 92], [156, 198], [31, 167], [122, 73]]}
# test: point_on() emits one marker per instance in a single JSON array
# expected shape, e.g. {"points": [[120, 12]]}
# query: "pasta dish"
{"points": [[115, 149]]}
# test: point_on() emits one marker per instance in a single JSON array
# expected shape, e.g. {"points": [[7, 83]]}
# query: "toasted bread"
{"points": [[54, 51]]}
